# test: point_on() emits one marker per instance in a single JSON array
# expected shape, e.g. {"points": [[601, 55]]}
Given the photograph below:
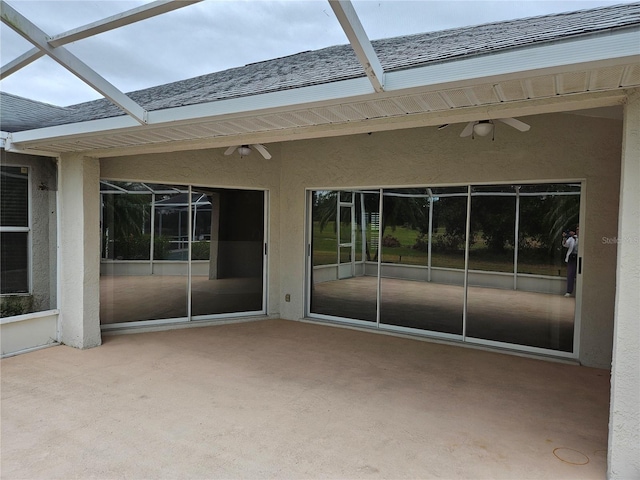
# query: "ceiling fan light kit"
{"points": [[245, 150], [482, 128]]}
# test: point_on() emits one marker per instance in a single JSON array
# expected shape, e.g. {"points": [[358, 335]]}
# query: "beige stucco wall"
{"points": [[558, 147]]}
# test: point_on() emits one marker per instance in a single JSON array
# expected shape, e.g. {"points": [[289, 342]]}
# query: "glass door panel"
{"points": [[144, 269], [227, 251], [422, 284], [490, 280], [516, 289], [343, 283], [544, 213]]}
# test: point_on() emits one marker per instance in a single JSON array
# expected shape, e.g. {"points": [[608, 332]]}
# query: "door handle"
{"points": [[579, 265]]}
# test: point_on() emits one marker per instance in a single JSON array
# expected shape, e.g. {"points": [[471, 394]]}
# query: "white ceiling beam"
{"points": [[20, 62], [110, 23], [39, 39], [119, 20], [361, 44]]}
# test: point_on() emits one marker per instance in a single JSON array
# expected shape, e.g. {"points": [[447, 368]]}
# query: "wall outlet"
{"points": [[287, 297]]}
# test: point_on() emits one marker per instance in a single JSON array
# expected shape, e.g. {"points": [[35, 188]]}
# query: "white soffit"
{"points": [[593, 63]]}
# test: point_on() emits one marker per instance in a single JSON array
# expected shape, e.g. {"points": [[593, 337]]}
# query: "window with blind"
{"points": [[14, 230]]}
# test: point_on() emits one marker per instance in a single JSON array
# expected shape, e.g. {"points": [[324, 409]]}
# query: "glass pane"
{"points": [[14, 196], [493, 219], [126, 232], [527, 308], [423, 252], [346, 197], [543, 219], [14, 262], [345, 287], [133, 287], [227, 251], [325, 235]]}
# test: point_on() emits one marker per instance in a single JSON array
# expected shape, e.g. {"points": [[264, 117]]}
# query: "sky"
{"points": [[215, 35]]}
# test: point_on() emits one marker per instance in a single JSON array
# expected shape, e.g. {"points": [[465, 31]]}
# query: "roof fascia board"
{"points": [[284, 100], [353, 29], [119, 20], [612, 49], [30, 32]]}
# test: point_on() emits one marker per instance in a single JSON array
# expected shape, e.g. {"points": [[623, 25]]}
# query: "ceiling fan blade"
{"points": [[230, 150], [468, 130], [262, 149], [517, 124]]}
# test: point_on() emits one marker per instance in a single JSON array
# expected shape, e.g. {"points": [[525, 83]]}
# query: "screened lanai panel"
{"points": [[423, 251]]}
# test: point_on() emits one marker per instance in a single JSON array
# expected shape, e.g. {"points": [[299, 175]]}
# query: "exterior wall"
{"points": [[43, 187], [624, 425], [23, 333], [558, 147]]}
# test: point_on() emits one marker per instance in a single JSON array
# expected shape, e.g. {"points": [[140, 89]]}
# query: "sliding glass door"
{"points": [[175, 252], [483, 264]]}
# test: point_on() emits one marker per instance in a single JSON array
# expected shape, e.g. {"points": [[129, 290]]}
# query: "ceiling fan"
{"points": [[245, 150], [483, 128]]}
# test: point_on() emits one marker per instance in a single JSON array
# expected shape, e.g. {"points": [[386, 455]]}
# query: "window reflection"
{"points": [[345, 234], [423, 254], [227, 251], [502, 282], [148, 231]]}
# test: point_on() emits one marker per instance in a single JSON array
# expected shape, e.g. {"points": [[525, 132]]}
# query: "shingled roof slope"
{"points": [[19, 113], [338, 63]]}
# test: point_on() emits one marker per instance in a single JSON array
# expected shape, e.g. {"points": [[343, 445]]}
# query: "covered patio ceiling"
{"points": [[576, 73]]}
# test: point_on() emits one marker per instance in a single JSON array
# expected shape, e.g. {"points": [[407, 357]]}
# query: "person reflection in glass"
{"points": [[570, 242]]}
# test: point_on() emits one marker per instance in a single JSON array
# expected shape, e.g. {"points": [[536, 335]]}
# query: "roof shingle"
{"points": [[332, 64]]}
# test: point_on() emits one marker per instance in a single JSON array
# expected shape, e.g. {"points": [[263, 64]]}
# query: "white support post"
{"points": [[624, 414], [79, 250]]}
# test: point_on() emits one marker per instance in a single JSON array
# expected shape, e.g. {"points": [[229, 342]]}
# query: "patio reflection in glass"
{"points": [[175, 252], [445, 261]]}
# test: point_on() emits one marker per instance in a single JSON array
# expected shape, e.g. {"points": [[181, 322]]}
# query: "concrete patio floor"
{"points": [[283, 399]]}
